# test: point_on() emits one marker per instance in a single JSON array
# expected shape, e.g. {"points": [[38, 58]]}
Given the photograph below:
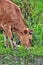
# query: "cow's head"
{"points": [[25, 37]]}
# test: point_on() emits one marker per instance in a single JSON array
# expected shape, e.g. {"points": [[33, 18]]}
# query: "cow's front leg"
{"points": [[13, 44], [10, 37], [5, 40], [7, 30]]}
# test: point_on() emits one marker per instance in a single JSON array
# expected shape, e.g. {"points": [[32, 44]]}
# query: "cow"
{"points": [[11, 20]]}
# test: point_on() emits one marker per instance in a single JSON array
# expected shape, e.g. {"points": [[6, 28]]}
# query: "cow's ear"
{"points": [[25, 31]]}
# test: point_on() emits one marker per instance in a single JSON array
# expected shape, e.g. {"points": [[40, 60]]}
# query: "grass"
{"points": [[36, 25], [21, 51], [35, 9]]}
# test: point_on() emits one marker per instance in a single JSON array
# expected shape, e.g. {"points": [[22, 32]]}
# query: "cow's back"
{"points": [[11, 15], [8, 12]]}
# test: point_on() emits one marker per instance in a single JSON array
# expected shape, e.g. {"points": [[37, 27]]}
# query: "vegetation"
{"points": [[32, 11], [36, 50]]}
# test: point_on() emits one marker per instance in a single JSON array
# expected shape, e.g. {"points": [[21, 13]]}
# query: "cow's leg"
{"points": [[8, 32], [5, 40], [17, 41], [10, 37], [13, 44]]}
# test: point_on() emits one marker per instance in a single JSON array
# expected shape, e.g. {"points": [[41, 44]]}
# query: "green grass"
{"points": [[35, 51], [36, 24], [21, 51]]}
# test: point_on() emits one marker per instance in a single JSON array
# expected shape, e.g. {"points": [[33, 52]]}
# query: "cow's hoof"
{"points": [[18, 42]]}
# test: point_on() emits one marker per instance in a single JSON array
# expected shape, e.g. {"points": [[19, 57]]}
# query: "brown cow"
{"points": [[11, 20]]}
